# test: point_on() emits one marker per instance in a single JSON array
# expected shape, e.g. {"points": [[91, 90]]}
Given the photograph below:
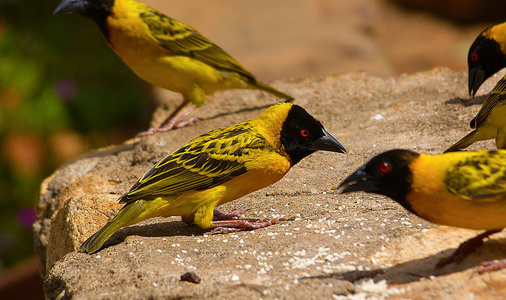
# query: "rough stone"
{"points": [[331, 246]]}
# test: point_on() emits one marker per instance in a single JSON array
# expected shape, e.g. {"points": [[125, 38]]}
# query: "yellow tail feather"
{"points": [[126, 216], [269, 89], [463, 143]]}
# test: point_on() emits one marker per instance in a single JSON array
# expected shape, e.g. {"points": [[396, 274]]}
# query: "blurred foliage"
{"points": [[62, 92]]}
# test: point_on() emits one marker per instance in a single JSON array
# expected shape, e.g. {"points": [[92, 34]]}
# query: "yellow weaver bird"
{"points": [[218, 167], [461, 189], [486, 56], [490, 122], [166, 53]]}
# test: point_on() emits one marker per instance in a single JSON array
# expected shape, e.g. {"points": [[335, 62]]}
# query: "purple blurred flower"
{"points": [[27, 216], [66, 89]]}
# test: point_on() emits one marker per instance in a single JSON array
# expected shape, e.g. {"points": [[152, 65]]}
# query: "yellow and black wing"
{"points": [[479, 176], [208, 160], [497, 95], [181, 39]]}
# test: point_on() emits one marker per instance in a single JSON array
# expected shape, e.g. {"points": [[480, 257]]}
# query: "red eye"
{"points": [[474, 56], [384, 167], [304, 132]]}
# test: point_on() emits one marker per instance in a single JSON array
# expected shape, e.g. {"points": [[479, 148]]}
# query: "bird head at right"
{"points": [[387, 174], [302, 134], [484, 59]]}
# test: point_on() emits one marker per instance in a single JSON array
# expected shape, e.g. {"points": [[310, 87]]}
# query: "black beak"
{"points": [[70, 6], [327, 143], [476, 78], [359, 181]]}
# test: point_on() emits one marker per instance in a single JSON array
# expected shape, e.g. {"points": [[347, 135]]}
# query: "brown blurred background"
{"points": [[63, 91], [298, 38]]}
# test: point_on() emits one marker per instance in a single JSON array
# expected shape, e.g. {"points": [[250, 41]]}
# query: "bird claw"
{"points": [[152, 131], [228, 215], [226, 230], [491, 266], [189, 122], [169, 126], [227, 226]]}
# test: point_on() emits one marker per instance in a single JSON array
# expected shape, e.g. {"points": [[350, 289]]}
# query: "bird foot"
{"points": [[169, 126], [491, 266], [189, 122], [228, 215], [228, 226], [465, 249], [151, 131]]}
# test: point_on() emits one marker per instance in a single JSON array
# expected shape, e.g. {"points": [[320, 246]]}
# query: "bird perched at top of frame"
{"points": [[218, 167], [490, 122], [486, 56], [166, 53], [462, 189]]}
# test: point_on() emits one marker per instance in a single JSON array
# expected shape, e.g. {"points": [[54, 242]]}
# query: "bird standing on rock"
{"points": [[462, 189], [218, 167], [486, 56], [166, 53], [490, 122]]}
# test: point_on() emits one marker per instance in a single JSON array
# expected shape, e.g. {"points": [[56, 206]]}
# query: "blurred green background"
{"points": [[53, 109]]}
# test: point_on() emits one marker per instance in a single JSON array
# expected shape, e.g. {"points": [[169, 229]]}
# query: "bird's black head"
{"points": [[97, 10], [484, 59], [387, 174], [302, 135]]}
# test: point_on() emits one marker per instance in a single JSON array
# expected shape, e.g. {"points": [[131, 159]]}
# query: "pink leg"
{"points": [[228, 215], [189, 122], [465, 249], [491, 266], [174, 121], [227, 226]]}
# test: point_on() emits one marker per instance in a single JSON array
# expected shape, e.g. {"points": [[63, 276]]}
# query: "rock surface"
{"points": [[331, 246]]}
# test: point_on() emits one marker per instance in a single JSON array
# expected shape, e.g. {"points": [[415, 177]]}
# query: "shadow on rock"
{"points": [[467, 102], [421, 269], [165, 229]]}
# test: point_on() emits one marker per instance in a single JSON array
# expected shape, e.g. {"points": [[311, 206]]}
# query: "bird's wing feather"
{"points": [[478, 177], [498, 94], [203, 163], [181, 39]]}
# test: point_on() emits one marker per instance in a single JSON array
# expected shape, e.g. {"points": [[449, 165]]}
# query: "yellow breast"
{"points": [[431, 199]]}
